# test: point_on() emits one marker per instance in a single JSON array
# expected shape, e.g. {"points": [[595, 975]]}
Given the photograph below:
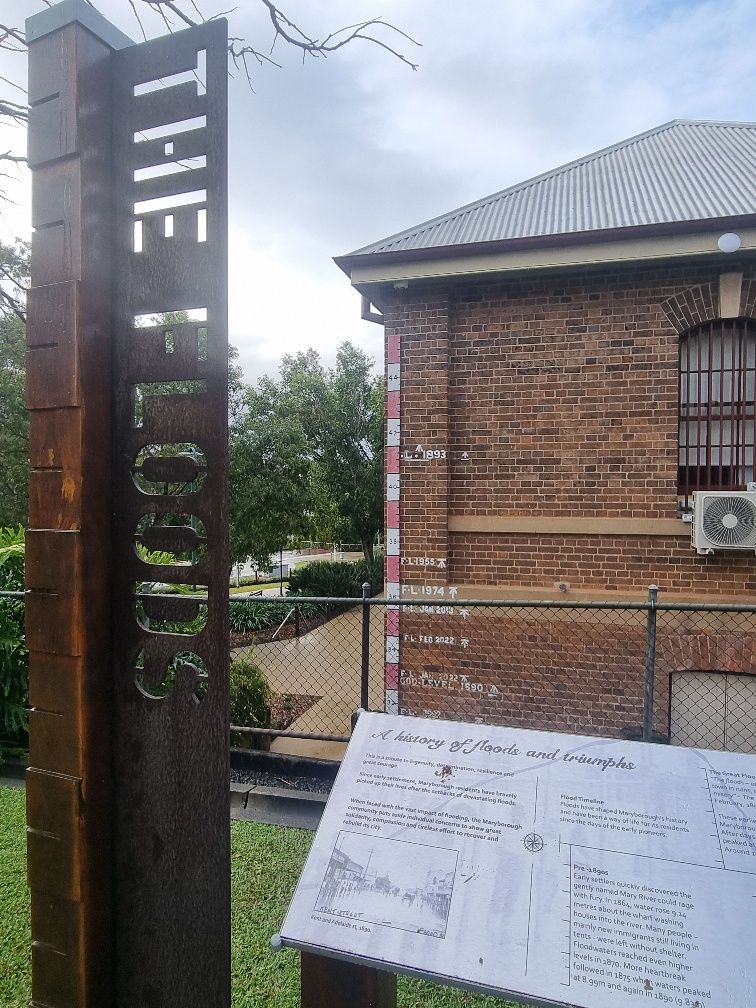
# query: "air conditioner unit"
{"points": [[724, 520]]}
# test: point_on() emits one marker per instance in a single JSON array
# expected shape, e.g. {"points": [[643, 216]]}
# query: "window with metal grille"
{"points": [[717, 406]]}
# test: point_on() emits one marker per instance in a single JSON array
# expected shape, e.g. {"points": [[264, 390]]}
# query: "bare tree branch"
{"points": [[12, 39], [243, 55], [8, 302], [132, 4], [290, 32], [293, 34], [12, 84], [162, 5], [14, 111]]}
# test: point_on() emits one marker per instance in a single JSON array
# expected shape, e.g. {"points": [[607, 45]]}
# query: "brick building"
{"points": [[567, 361]]}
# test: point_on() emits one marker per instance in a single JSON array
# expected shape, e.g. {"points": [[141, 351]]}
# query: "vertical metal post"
{"points": [[648, 695], [328, 983], [364, 680], [296, 621]]}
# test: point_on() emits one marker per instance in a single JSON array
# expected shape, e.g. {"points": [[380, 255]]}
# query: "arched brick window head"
{"points": [[717, 407]]}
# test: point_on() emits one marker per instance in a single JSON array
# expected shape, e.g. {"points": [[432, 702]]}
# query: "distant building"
{"points": [[341, 868], [438, 891], [567, 362]]}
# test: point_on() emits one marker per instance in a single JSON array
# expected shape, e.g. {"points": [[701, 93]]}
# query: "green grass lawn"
{"points": [[15, 950], [265, 865]]}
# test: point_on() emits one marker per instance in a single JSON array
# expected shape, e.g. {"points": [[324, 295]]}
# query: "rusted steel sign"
{"points": [[170, 436]]}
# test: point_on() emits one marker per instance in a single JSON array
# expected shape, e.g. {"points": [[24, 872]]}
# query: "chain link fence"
{"points": [[683, 674], [322, 659], [664, 672]]}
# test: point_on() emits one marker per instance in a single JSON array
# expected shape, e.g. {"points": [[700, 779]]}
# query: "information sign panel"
{"points": [[544, 867]]}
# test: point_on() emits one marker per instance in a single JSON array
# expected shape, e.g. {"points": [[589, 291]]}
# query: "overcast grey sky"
{"points": [[333, 154]]}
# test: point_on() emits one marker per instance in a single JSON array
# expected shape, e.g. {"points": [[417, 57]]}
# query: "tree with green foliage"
{"points": [[15, 262], [339, 412], [302, 392], [269, 475], [306, 456], [351, 446], [14, 423]]}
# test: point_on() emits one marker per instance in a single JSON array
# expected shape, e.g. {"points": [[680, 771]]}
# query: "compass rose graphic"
{"points": [[533, 842]]}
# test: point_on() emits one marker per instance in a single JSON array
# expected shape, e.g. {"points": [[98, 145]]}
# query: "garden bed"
{"points": [[246, 638], [285, 708]]}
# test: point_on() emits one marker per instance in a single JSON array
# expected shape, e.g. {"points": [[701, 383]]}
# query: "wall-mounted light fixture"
{"points": [[729, 242]]}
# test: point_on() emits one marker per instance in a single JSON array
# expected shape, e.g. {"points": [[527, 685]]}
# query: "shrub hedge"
{"points": [[249, 704], [249, 615], [14, 658], [337, 578]]}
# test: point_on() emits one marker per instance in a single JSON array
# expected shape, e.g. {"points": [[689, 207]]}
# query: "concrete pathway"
{"points": [[325, 662]]}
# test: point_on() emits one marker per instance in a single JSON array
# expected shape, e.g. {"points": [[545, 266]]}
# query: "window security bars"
{"points": [[717, 407]]}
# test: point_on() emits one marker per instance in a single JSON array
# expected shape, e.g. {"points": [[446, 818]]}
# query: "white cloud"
{"points": [[290, 304], [338, 153]]}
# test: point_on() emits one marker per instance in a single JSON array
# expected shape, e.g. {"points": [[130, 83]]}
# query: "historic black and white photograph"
{"points": [[393, 883]]}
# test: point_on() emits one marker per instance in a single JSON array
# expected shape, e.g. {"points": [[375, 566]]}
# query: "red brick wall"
{"points": [[553, 396], [567, 393], [424, 325], [550, 396], [528, 668], [561, 670], [600, 565]]}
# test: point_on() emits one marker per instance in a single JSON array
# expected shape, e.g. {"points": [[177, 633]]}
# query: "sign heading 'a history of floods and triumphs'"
{"points": [[568, 869]]}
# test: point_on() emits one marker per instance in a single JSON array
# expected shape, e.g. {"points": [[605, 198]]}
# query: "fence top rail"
{"points": [[254, 730], [456, 603], [558, 604], [459, 603], [704, 607]]}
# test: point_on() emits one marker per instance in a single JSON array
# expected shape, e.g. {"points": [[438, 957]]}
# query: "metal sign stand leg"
{"points": [[329, 983]]}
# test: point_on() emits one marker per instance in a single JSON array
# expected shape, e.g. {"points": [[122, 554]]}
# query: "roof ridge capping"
{"points": [[479, 204]]}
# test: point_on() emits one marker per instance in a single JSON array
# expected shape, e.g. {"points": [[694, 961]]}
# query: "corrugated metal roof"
{"points": [[685, 170]]}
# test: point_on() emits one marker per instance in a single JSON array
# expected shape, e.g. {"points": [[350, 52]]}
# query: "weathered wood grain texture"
{"points": [[68, 542]]}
